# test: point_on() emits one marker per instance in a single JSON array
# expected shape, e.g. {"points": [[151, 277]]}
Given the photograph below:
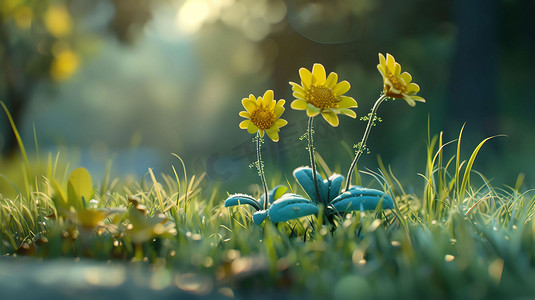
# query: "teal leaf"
{"points": [[237, 199], [359, 198], [260, 216], [273, 194], [335, 183], [291, 206], [306, 180]]}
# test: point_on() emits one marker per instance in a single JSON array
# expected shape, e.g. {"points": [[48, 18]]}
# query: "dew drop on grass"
{"points": [[232, 254], [208, 262]]}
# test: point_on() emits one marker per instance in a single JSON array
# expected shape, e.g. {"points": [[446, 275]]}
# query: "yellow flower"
{"points": [[263, 115], [320, 94], [397, 84]]}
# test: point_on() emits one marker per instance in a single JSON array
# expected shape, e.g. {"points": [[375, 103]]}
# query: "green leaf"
{"points": [[60, 201], [79, 187], [274, 194], [291, 206]]}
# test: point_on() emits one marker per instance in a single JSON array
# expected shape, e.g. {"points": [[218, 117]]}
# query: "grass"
{"points": [[454, 240]]}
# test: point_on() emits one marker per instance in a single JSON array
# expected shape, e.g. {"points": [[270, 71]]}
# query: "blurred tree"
{"points": [[44, 40]]}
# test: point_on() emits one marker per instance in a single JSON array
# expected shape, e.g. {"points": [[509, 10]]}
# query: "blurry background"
{"points": [[132, 81]]}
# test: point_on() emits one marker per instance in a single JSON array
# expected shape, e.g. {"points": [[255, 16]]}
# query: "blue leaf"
{"points": [[359, 198], [260, 216], [306, 180], [238, 199], [273, 194], [291, 206], [335, 182]]}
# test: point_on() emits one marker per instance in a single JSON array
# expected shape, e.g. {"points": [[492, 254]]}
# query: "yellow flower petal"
{"points": [[406, 77], [413, 88], [252, 98], [318, 74], [261, 133], [279, 108], [306, 78], [278, 111], [245, 114], [331, 118], [409, 100], [299, 104], [418, 98], [249, 105], [348, 112], [298, 95], [267, 98], [251, 128], [382, 60], [331, 80], [273, 135], [312, 111], [281, 123], [347, 102], [390, 63], [245, 124], [297, 88], [382, 70], [397, 69], [341, 88]]}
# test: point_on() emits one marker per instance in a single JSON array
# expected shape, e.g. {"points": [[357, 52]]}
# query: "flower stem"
{"points": [[260, 167], [362, 145], [310, 148]]}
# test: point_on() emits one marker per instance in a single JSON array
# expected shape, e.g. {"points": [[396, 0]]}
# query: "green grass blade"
{"points": [[17, 136], [468, 169]]}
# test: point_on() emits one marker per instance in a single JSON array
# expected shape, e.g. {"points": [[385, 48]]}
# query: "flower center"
{"points": [[263, 118], [396, 83], [321, 97]]}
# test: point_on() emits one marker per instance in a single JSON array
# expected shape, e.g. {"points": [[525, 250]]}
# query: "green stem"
{"points": [[260, 168], [362, 145], [310, 147]]}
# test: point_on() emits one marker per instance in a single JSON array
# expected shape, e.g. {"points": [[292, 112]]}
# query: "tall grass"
{"points": [[454, 240]]}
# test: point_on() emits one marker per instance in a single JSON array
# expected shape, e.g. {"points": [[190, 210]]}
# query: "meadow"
{"points": [[457, 236]]}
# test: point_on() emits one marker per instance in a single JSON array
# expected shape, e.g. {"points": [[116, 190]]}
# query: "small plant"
{"points": [[330, 201], [263, 116], [395, 85], [320, 94]]}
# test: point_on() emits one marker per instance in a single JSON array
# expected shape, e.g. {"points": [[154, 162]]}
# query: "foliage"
{"points": [[319, 94], [452, 240]]}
